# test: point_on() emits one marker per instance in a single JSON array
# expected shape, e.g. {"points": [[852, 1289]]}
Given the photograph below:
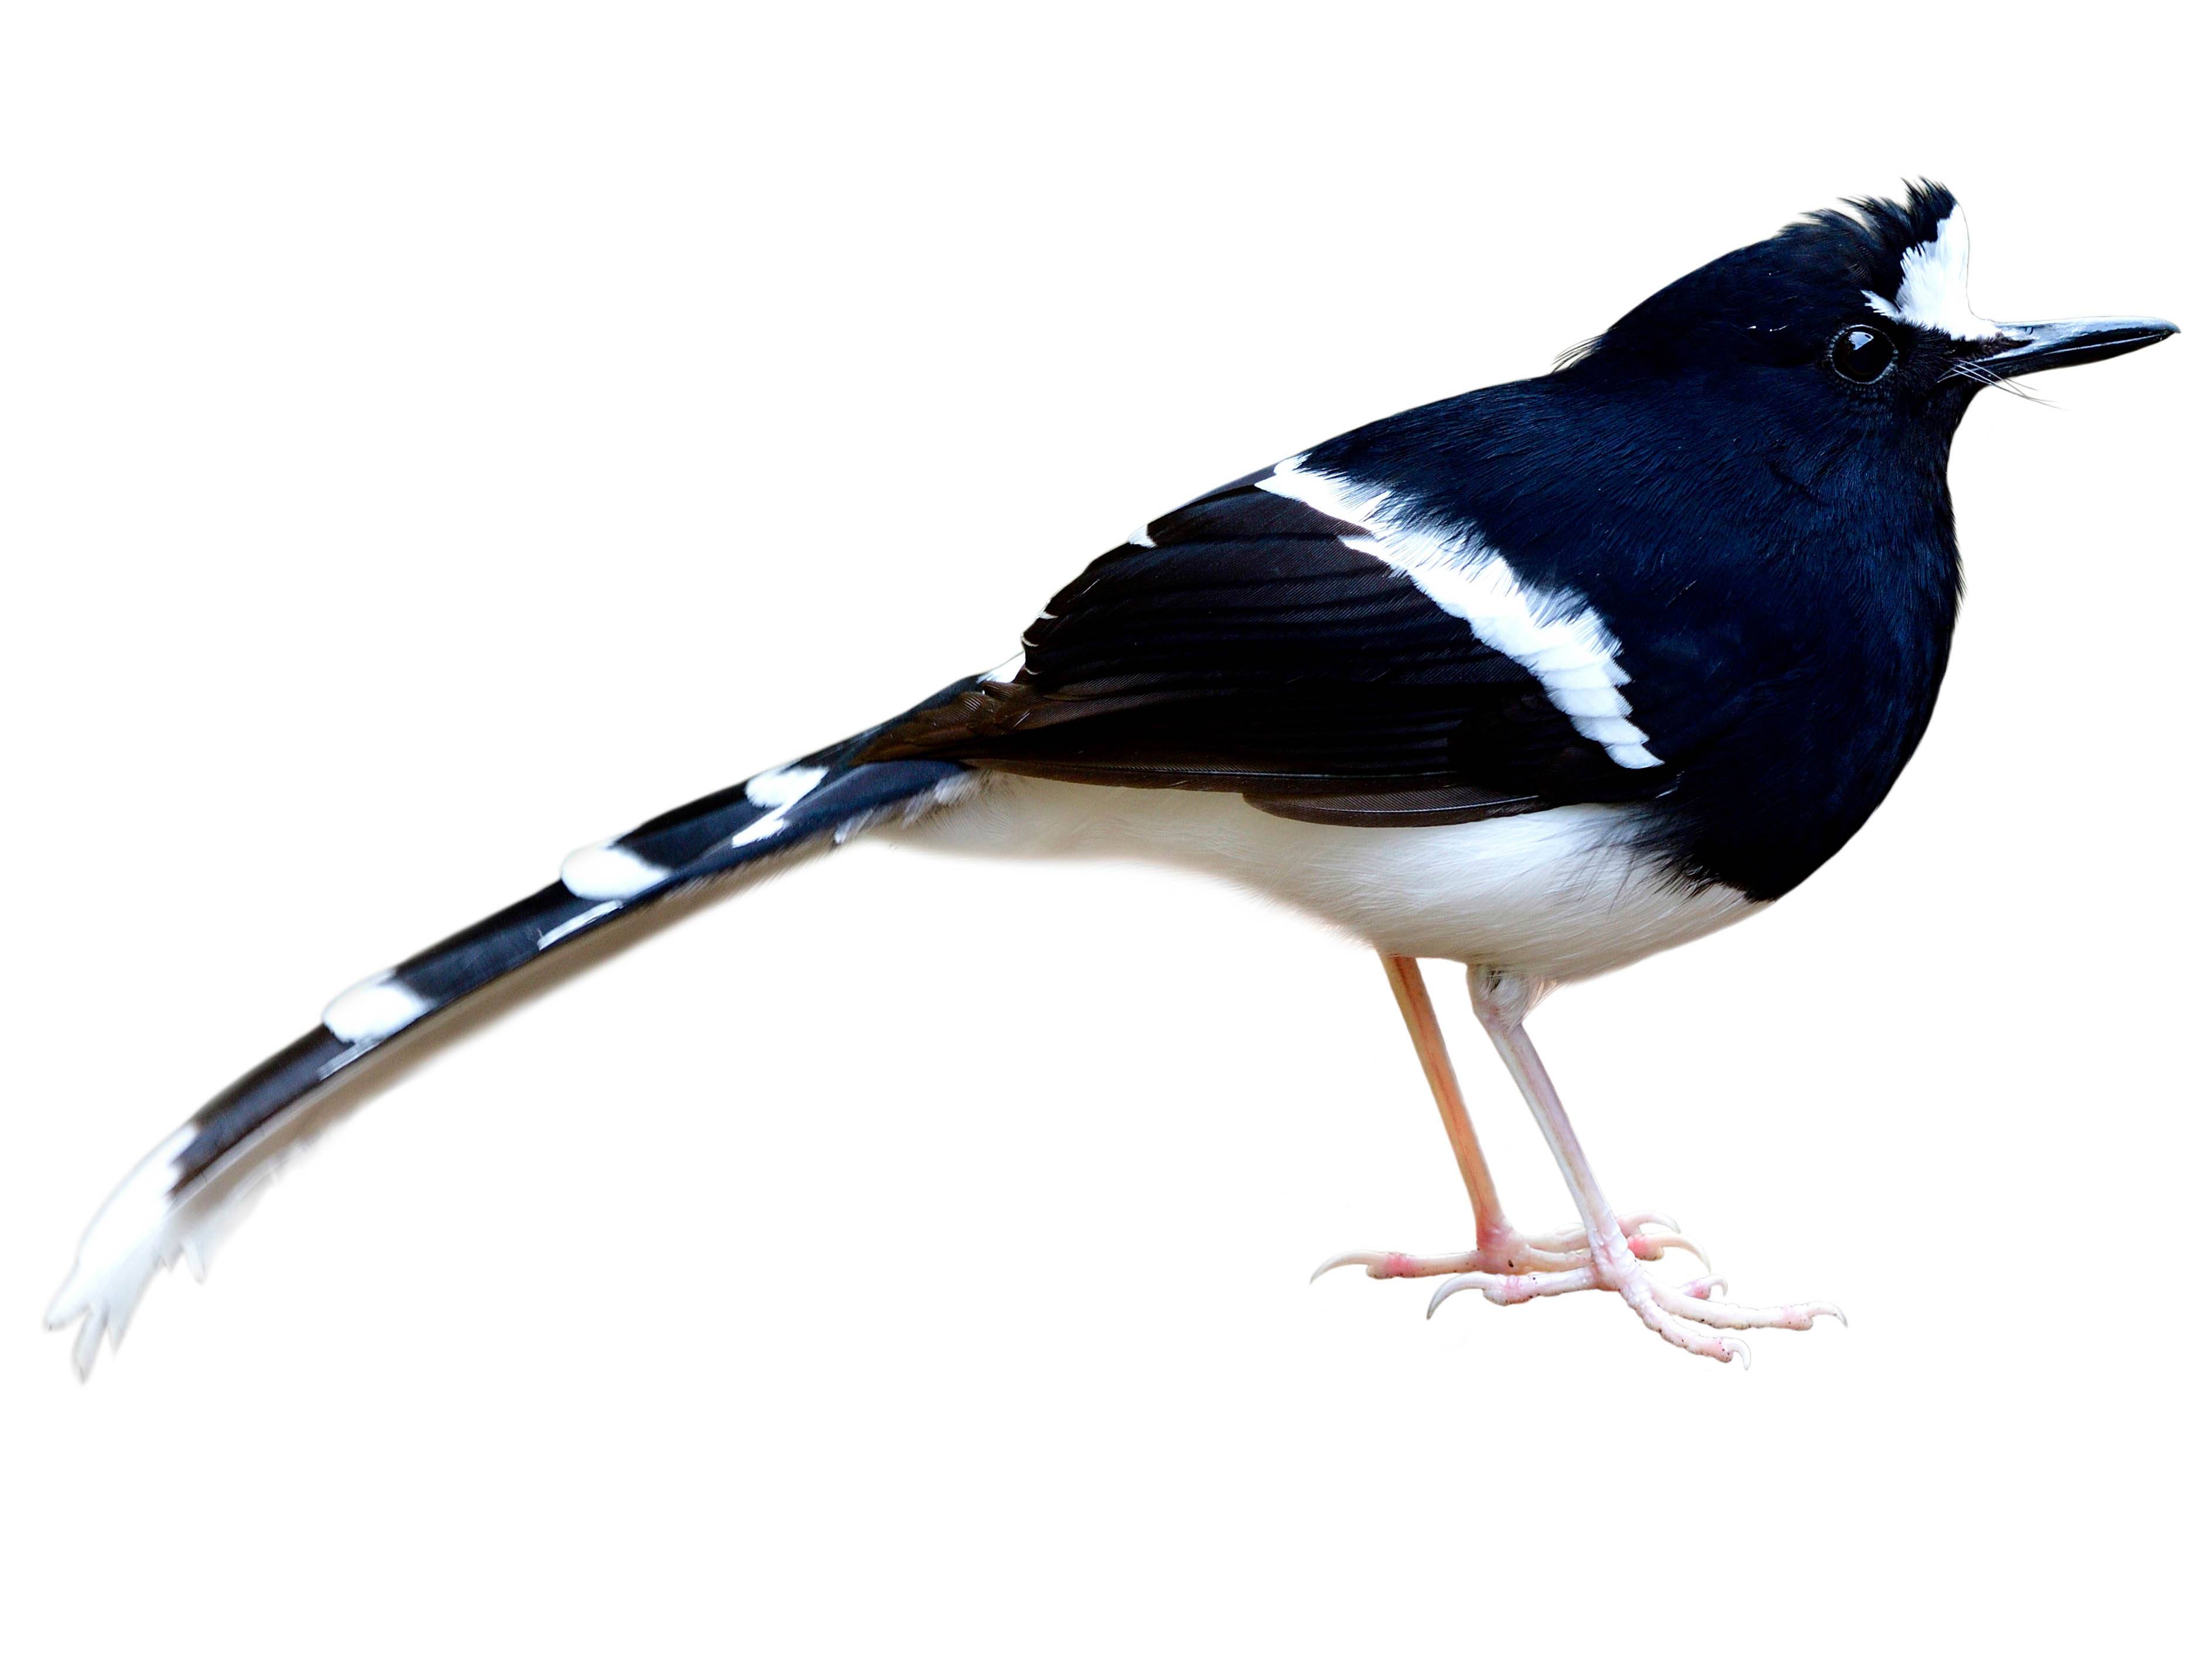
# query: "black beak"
{"points": [[2024, 348]]}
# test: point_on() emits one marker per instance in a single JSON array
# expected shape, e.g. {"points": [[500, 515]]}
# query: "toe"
{"points": [[1696, 1301], [1396, 1264], [1649, 1246], [1506, 1289]]}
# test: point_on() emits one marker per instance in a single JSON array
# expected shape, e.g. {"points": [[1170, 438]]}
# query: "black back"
{"points": [[1769, 545]]}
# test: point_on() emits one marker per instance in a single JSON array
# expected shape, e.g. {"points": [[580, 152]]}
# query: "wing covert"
{"points": [[1248, 641]]}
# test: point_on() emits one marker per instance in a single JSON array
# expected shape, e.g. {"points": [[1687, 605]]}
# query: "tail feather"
{"points": [[185, 1193]]}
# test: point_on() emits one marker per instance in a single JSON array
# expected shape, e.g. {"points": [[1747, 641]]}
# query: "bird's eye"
{"points": [[1862, 353]]}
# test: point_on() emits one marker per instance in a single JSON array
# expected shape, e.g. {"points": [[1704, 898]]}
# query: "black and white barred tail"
{"points": [[178, 1200]]}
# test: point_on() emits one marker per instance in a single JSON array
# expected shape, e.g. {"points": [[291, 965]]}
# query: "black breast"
{"points": [[1782, 593]]}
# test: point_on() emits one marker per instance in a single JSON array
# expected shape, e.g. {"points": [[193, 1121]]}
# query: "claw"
{"points": [[1649, 1246], [1349, 1259], [1735, 1349], [1450, 1287]]}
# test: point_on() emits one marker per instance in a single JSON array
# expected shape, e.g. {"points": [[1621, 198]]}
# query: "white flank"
{"points": [[372, 1010], [784, 786], [1932, 294], [1142, 536], [1556, 637], [1558, 895], [604, 870]]}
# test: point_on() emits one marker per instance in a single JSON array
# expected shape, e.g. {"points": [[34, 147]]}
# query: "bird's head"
{"points": [[1852, 319]]}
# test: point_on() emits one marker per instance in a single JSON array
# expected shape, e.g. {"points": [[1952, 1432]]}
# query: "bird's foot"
{"points": [[1508, 1252], [1681, 1314]]}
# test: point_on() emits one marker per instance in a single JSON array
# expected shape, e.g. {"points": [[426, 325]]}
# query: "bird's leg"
{"points": [[1499, 1248], [1678, 1313]]}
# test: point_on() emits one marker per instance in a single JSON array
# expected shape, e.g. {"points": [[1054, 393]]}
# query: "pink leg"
{"points": [[1500, 1249], [1501, 1002]]}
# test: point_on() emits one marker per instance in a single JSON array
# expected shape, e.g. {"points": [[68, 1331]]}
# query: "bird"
{"points": [[1538, 679]]}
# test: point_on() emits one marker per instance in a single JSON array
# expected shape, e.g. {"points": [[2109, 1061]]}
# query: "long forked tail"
{"points": [[181, 1196]]}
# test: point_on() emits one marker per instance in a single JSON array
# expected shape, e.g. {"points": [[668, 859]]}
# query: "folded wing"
{"points": [[1255, 642]]}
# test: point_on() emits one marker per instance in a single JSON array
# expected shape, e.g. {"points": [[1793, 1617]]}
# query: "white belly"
{"points": [[1557, 894]]}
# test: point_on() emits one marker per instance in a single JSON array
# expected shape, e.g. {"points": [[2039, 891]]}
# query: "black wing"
{"points": [[1240, 643]]}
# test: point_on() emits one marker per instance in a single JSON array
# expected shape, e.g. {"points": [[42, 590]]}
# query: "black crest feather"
{"points": [[1757, 300], [1872, 238]]}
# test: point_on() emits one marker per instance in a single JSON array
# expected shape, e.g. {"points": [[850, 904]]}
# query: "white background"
{"points": [[436, 437]]}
